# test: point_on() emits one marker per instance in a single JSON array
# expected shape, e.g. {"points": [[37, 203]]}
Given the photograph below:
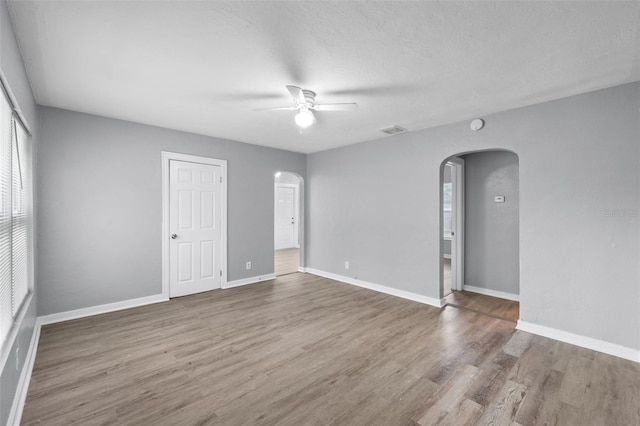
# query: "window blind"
{"points": [[6, 318], [15, 216], [19, 187]]}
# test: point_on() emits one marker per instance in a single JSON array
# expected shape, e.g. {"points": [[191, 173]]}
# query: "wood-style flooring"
{"points": [[493, 306], [446, 275], [305, 350], [286, 261]]}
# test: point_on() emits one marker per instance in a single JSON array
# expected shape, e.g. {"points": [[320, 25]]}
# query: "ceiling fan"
{"points": [[305, 103]]}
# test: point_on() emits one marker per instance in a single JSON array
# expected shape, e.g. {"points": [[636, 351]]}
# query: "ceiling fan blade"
{"points": [[335, 107], [297, 94], [277, 109]]}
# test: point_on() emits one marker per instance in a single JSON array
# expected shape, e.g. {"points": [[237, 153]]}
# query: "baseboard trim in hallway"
{"points": [[492, 293], [438, 303]]}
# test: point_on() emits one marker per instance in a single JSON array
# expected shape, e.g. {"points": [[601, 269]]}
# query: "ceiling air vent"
{"points": [[393, 130]]}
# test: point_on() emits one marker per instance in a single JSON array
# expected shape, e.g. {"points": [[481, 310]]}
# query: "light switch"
{"points": [[498, 199]]}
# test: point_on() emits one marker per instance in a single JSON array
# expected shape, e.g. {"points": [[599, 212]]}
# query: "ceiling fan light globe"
{"points": [[304, 119]]}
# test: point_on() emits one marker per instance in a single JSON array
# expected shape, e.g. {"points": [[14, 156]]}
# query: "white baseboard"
{"points": [[250, 280], [578, 340], [15, 415], [101, 309], [493, 293], [446, 256], [438, 303], [302, 269]]}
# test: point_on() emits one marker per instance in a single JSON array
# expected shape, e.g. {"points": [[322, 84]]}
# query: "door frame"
{"points": [[301, 217], [296, 211], [167, 156], [457, 249]]}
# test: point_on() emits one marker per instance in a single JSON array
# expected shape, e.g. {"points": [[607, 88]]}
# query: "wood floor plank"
{"points": [[540, 401], [518, 343], [286, 261], [491, 379], [502, 410], [306, 350], [446, 404]]}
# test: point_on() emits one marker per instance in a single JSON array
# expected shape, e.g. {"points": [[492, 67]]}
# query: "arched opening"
{"points": [[480, 232], [288, 222]]}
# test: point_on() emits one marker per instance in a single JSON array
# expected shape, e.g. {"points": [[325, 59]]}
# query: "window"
{"points": [[15, 181], [19, 271], [5, 218], [447, 195]]}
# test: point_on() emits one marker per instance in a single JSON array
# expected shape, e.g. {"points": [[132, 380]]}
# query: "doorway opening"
{"points": [[452, 224], [480, 233], [288, 189]]}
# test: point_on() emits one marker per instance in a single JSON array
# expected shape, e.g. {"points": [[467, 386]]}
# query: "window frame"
{"points": [[18, 314]]}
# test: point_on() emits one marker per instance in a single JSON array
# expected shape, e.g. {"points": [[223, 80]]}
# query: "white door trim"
{"points": [[166, 157], [457, 249]]}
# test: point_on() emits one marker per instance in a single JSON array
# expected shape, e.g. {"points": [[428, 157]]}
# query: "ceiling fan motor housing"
{"points": [[309, 95]]}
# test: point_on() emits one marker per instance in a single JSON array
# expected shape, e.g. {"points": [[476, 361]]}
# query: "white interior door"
{"points": [[285, 217], [195, 260]]}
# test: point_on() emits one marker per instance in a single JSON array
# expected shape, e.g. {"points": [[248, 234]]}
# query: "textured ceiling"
{"points": [[204, 66]]}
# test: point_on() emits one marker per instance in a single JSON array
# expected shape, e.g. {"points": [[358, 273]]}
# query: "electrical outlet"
{"points": [[346, 264], [248, 265], [17, 358]]}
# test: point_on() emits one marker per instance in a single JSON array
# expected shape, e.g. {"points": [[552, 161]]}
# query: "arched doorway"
{"points": [[480, 232]]}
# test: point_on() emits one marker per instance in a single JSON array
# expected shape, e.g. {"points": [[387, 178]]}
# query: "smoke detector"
{"points": [[477, 124], [393, 130]]}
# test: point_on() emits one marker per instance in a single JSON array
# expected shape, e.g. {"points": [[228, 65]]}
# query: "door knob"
{"points": [[174, 236]]}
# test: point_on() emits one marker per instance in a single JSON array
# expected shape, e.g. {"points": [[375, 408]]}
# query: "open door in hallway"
{"points": [[287, 227], [285, 217]]}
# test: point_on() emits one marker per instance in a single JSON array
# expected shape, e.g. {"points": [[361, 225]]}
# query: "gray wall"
{"points": [[377, 205], [101, 212], [491, 252], [14, 72], [13, 68]]}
